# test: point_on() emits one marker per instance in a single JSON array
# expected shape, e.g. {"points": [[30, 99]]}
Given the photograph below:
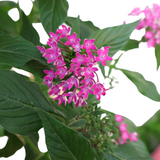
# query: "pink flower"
{"points": [[81, 101], [125, 136], [88, 81], [119, 118], [91, 59], [88, 71], [64, 85], [80, 59], [54, 37], [103, 55], [85, 90], [51, 57], [54, 90], [50, 75], [88, 44], [149, 34], [73, 68], [72, 96], [136, 11], [122, 127], [133, 136], [72, 81], [64, 31], [62, 71], [151, 42], [42, 50], [50, 83], [59, 62], [72, 40], [77, 47], [54, 47], [61, 99]]}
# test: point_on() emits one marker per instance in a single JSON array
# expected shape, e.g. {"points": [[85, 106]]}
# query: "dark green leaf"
{"points": [[5, 66], [17, 99], [13, 144], [129, 151], [52, 13], [131, 44], [98, 155], [78, 124], [75, 27], [102, 68], [6, 23], [86, 27], [27, 30], [63, 142], [115, 37], [145, 87], [17, 51], [157, 53], [1, 131]]}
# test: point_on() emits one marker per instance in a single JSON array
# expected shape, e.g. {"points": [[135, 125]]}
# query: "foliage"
{"points": [[72, 132]]}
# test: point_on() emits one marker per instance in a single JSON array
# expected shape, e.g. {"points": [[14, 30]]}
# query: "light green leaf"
{"points": [[52, 13], [115, 37], [17, 51], [131, 44], [75, 27], [157, 54], [129, 151], [62, 142], [18, 97], [145, 87]]}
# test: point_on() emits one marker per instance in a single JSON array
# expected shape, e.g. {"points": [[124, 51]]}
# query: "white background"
{"points": [[124, 98]]}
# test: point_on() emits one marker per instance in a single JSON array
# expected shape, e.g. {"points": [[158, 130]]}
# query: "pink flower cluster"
{"points": [[125, 134], [151, 23], [75, 66]]}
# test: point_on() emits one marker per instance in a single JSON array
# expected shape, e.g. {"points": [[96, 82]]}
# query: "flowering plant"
{"points": [[63, 92]]}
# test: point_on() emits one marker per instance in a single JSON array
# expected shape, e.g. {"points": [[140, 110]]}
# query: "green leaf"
{"points": [[75, 27], [52, 13], [27, 30], [102, 68], [17, 51], [78, 124], [115, 37], [131, 44], [157, 54], [5, 66], [145, 87], [6, 23], [63, 142], [18, 97], [98, 155], [129, 151], [13, 144], [86, 27], [1, 131]]}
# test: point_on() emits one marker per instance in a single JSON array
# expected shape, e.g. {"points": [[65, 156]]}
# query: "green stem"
{"points": [[30, 143]]}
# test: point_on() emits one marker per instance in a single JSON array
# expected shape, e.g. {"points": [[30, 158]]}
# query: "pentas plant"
{"points": [[75, 65], [151, 23], [124, 133]]}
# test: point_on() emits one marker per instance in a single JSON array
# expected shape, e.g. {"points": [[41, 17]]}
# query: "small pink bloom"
{"points": [[72, 81], [73, 68], [72, 96], [149, 34], [79, 72], [88, 71], [80, 59], [54, 90], [122, 127], [81, 101], [119, 118], [51, 57], [88, 81], [91, 59], [54, 47], [85, 91], [103, 55], [77, 47], [62, 71], [136, 11], [50, 75], [151, 42], [48, 82], [61, 99], [125, 136], [72, 40], [133, 136], [59, 62], [54, 37], [64, 31], [42, 50], [64, 85], [88, 44]]}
